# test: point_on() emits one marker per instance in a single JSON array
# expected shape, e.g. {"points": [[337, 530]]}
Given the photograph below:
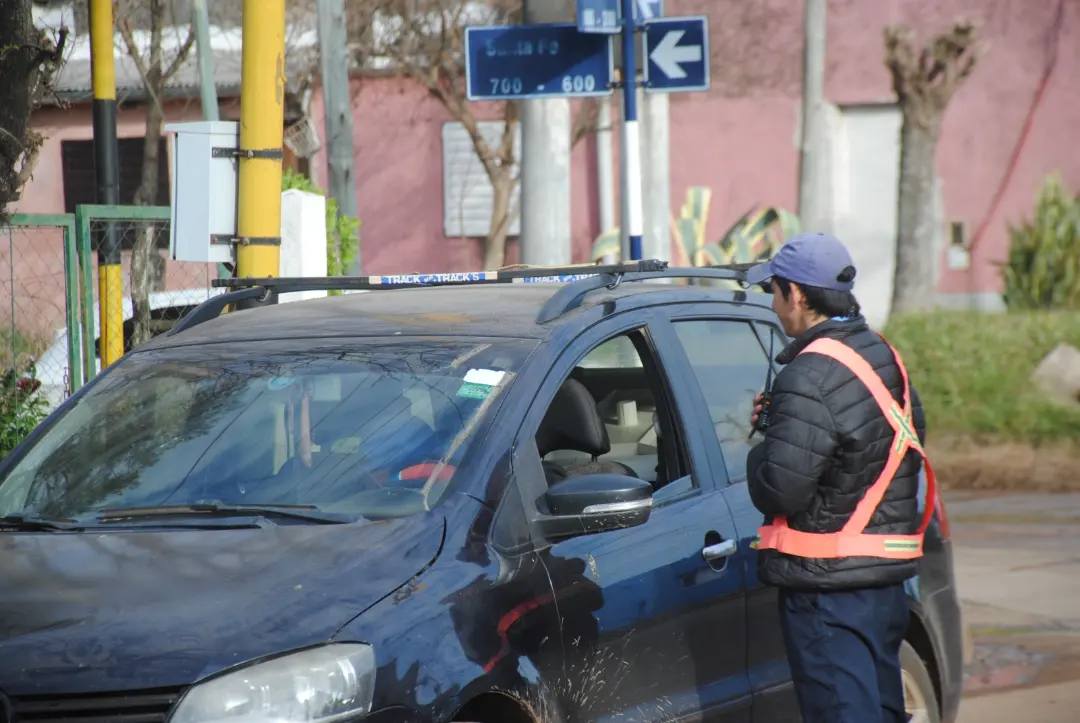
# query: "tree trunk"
{"points": [[142, 254], [495, 243], [914, 285], [924, 81], [145, 247], [19, 61]]}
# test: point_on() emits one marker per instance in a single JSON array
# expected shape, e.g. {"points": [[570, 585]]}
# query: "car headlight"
{"points": [[322, 684]]}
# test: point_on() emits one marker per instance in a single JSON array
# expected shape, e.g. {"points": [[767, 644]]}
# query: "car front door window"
{"points": [[731, 367]]}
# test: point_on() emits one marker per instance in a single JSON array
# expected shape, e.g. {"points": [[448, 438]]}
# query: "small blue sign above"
{"points": [[605, 16], [598, 16], [677, 54], [648, 10], [505, 62]]}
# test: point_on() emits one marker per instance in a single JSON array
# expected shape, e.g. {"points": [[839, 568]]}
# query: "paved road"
{"points": [[1018, 573]]}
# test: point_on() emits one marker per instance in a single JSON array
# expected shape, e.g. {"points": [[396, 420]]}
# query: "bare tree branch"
{"points": [[424, 40], [181, 56], [136, 56]]}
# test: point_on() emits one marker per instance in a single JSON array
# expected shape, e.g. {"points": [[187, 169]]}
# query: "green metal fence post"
{"points": [[82, 225], [84, 214]]}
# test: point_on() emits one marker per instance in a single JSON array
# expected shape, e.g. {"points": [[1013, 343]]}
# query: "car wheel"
{"points": [[920, 699]]}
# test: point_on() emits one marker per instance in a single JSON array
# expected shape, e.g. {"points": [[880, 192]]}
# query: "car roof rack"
{"points": [[508, 275], [570, 297], [580, 280]]}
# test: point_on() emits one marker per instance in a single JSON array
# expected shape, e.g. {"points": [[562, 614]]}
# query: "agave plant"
{"points": [[756, 236], [607, 246]]}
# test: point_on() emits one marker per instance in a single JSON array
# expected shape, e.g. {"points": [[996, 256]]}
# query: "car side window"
{"points": [[612, 415], [731, 368]]}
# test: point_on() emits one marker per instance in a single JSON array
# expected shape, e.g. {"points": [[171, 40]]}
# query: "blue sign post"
{"points": [[677, 54], [504, 62], [631, 135]]}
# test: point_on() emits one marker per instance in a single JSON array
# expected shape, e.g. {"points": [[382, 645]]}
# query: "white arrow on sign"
{"points": [[669, 55]]}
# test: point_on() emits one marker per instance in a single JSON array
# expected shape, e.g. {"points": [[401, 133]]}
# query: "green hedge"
{"points": [[973, 372]]}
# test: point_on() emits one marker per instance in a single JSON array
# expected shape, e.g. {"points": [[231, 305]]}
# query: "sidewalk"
{"points": [[1018, 575]]}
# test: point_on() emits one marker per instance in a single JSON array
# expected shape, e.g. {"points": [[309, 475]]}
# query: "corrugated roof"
{"points": [[73, 83]]}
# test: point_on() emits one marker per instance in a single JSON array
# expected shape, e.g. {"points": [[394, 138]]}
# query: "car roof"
{"points": [[497, 310]]}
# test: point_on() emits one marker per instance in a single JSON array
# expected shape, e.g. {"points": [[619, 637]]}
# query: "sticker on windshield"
{"points": [[276, 384], [487, 377], [479, 383]]}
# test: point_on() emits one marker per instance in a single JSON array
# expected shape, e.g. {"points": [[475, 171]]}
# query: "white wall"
{"points": [[865, 185], [303, 239]]}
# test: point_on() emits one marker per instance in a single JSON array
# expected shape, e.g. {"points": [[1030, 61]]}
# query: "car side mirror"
{"points": [[594, 503]]}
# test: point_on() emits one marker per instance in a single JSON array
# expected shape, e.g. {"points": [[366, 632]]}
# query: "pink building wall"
{"points": [[740, 138]]}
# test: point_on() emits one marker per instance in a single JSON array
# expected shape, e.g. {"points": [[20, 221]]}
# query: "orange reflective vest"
{"points": [[853, 540]]}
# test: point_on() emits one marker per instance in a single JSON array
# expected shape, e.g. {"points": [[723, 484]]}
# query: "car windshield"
{"points": [[373, 428]]}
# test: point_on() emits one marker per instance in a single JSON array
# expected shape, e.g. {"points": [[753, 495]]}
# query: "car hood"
{"points": [[138, 609]]}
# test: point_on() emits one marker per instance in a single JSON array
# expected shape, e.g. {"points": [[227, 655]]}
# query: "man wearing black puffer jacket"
{"points": [[837, 479]]}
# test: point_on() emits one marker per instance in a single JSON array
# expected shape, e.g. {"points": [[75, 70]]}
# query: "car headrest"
{"points": [[572, 422]]}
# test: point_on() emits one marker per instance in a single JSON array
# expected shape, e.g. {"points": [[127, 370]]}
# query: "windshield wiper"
{"points": [[305, 513], [32, 523]]}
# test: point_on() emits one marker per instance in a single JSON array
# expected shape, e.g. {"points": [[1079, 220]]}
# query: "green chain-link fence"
{"points": [[49, 318], [40, 332], [160, 291]]}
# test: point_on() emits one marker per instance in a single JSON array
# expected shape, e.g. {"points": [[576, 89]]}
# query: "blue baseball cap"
{"points": [[813, 259]]}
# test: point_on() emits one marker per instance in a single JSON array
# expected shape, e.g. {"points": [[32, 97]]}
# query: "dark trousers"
{"points": [[844, 651]]}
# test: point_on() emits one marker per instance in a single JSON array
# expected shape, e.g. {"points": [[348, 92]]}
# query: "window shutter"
{"points": [[467, 191]]}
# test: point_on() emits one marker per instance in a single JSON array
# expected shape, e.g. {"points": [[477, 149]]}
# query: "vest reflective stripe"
{"points": [[853, 540]]}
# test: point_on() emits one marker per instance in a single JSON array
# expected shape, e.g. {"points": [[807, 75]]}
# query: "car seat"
{"points": [[573, 423]]}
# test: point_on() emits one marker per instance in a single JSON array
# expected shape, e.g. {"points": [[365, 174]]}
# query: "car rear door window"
{"points": [[731, 366]]}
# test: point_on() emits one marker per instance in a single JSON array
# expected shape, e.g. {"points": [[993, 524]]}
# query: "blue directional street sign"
{"points": [[605, 16], [535, 61], [677, 54]]}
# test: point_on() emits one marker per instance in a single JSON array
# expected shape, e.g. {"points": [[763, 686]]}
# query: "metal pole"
{"points": [[106, 163], [262, 92], [656, 177], [545, 164], [334, 62], [814, 185], [208, 91], [631, 136]]}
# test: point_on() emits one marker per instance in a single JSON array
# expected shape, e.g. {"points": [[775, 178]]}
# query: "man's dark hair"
{"points": [[827, 302]]}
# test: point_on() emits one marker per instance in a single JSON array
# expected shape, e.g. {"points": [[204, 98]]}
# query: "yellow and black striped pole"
{"points": [[262, 94], [106, 164]]}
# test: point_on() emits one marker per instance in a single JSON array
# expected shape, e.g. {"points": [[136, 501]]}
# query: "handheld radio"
{"points": [[766, 398]]}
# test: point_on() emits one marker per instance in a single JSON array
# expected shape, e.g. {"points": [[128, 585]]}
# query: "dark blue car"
{"points": [[499, 503]]}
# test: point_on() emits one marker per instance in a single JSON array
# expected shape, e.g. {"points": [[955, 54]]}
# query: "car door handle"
{"points": [[727, 548]]}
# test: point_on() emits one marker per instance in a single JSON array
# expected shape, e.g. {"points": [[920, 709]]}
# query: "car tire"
{"points": [[920, 698]]}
